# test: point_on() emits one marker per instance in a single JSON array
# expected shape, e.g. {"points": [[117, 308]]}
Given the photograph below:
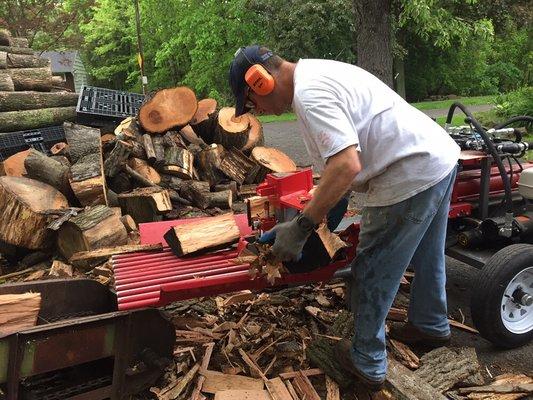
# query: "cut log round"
{"points": [[145, 170], [206, 107], [232, 131], [204, 121], [14, 165], [168, 108], [22, 61], [86, 173], [5, 37], [145, 204], [94, 228], [11, 121], [47, 170], [255, 135], [23, 202], [38, 79], [273, 159], [211, 233], [6, 83], [209, 163], [16, 101], [178, 162]]}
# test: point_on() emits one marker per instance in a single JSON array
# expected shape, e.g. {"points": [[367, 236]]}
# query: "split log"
{"points": [[403, 384], [6, 83], [149, 148], [277, 389], [120, 183], [20, 42], [167, 108], [18, 312], [24, 203], [14, 165], [116, 160], [5, 37], [137, 150], [222, 199], [209, 163], [159, 150], [22, 61], [304, 388], [272, 160], [204, 121], [243, 394], [190, 135], [246, 191], [217, 381], [87, 259], [45, 169], [128, 129], [210, 234], [258, 207], [143, 169], [94, 228], [238, 167], [231, 185], [38, 79], [231, 131], [16, 101], [16, 50], [11, 121], [128, 223], [198, 193], [255, 135], [86, 173], [178, 162], [145, 204]]}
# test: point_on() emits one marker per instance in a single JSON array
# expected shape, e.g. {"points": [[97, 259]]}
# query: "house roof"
{"points": [[61, 61]]}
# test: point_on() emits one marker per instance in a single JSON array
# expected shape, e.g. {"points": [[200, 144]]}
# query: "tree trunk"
{"points": [[222, 199], [16, 101], [86, 173], [16, 50], [94, 228], [116, 160], [232, 131], [178, 162], [145, 204], [45, 169], [38, 79], [374, 38], [6, 84], [211, 233], [22, 61], [209, 163], [31, 119], [23, 202], [168, 108]]}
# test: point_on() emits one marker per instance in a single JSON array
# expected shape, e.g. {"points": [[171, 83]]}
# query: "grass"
{"points": [[425, 105]]}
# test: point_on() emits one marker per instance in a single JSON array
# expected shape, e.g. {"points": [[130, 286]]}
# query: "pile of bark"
{"points": [[30, 97]]}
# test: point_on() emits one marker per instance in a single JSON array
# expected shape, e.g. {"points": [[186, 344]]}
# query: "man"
{"points": [[361, 134]]}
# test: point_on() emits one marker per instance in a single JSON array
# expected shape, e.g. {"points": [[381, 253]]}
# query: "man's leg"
{"points": [[388, 240]]}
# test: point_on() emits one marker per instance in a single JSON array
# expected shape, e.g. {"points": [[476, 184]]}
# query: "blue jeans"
{"points": [[392, 237]]}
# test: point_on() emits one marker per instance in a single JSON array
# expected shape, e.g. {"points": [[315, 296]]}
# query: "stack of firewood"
{"points": [[27, 100]]}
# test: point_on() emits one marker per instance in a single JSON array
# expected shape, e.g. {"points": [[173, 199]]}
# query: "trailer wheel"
{"points": [[502, 300]]}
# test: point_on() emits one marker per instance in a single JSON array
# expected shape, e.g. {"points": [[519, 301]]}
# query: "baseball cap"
{"points": [[243, 59]]}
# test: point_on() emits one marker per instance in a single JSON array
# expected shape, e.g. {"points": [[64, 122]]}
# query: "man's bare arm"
{"points": [[336, 179]]}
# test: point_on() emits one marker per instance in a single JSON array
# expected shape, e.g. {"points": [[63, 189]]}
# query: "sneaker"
{"points": [[343, 353], [409, 334]]}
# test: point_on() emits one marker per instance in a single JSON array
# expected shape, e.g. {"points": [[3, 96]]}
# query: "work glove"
{"points": [[289, 238]]}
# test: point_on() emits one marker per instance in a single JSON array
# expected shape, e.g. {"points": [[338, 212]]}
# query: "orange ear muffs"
{"points": [[259, 80]]}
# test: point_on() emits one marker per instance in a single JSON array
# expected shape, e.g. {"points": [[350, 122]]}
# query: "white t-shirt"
{"points": [[402, 151]]}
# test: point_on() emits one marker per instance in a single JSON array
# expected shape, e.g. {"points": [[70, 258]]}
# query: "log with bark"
{"points": [[20, 42], [149, 148], [120, 183], [60, 149], [24, 203], [87, 172], [167, 109], [6, 83], [18, 312], [16, 101], [94, 228], [231, 131], [45, 169], [198, 193], [145, 204], [16, 50], [116, 160], [238, 167], [14, 165], [8, 60], [30, 119], [5, 37], [38, 79], [204, 121], [209, 234], [159, 150], [128, 129], [231, 185], [209, 163], [145, 170], [178, 162]]}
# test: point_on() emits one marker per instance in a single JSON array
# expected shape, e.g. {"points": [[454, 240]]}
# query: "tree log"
{"points": [[5, 37], [23, 202], [209, 163], [222, 199], [178, 162], [94, 228], [211, 233], [22, 61], [18, 312], [129, 129], [44, 169], [14, 165], [86, 173], [137, 150], [120, 183], [159, 150], [231, 185], [273, 159], [11, 121], [204, 122], [255, 135], [146, 171], [198, 193], [238, 167], [149, 148], [38, 79], [16, 101], [190, 136], [86, 259], [128, 223], [145, 204], [16, 50], [20, 42], [232, 131], [6, 83], [168, 108], [116, 160]]}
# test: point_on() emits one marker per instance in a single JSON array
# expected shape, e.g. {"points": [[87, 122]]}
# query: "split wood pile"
{"points": [[30, 97]]}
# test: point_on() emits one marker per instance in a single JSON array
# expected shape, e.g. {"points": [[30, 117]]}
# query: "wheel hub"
{"points": [[517, 303]]}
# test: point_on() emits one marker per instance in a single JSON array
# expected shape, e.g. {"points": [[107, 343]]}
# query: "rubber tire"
{"points": [[487, 293]]}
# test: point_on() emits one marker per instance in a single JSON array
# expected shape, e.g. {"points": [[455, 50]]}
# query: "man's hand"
{"points": [[290, 238]]}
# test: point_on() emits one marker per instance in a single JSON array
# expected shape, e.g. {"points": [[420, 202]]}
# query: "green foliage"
{"points": [[518, 102]]}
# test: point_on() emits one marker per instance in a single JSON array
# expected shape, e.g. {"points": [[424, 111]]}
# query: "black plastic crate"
{"points": [[100, 107], [41, 139]]}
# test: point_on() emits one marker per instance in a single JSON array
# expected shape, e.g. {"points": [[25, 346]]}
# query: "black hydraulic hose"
{"points": [[492, 150], [520, 118]]}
